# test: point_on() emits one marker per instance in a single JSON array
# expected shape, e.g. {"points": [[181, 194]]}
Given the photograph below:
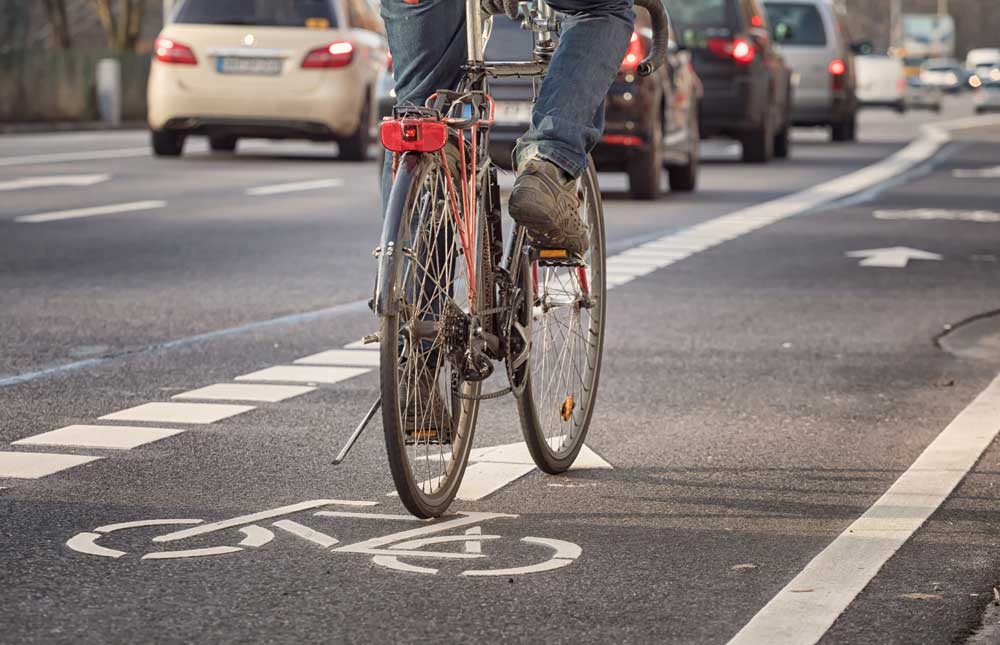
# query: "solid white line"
{"points": [[89, 155], [296, 187], [54, 180], [35, 465], [805, 609], [197, 413], [111, 437], [77, 213]]}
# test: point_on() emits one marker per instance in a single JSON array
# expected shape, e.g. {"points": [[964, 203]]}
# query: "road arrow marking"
{"points": [[53, 181], [895, 257]]}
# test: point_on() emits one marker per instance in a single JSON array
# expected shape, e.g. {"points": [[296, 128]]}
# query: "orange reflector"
{"points": [[567, 408], [553, 253]]}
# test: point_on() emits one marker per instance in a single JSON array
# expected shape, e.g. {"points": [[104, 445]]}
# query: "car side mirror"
{"points": [[862, 47], [783, 32]]}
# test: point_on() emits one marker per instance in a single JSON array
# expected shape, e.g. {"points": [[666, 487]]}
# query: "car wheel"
{"points": [[684, 179], [167, 143], [782, 142], [758, 145], [355, 147], [901, 107], [645, 171], [222, 144], [846, 131]]}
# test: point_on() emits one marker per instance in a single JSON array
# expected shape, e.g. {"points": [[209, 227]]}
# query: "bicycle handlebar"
{"points": [[660, 22]]}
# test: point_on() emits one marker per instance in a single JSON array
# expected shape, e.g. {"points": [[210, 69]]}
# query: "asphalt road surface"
{"points": [[785, 448]]}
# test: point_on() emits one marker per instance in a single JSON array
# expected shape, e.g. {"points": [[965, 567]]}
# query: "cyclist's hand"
{"points": [[508, 7]]}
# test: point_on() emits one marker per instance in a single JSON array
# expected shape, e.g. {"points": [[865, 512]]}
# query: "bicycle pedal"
{"points": [[558, 258]]}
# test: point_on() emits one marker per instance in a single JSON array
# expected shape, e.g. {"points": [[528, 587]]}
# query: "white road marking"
{"points": [[192, 553], [77, 213], [923, 214], [296, 187], [86, 543], [839, 573], [35, 465], [566, 554], [52, 181], [256, 536], [896, 257], [112, 437], [87, 155], [977, 173], [138, 524], [246, 392], [350, 357], [304, 374], [196, 413], [306, 533], [360, 344]]}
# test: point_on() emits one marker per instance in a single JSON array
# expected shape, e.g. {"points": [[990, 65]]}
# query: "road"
{"points": [[761, 392]]}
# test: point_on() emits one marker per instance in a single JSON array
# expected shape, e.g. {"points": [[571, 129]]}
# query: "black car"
{"points": [[651, 123], [747, 83]]}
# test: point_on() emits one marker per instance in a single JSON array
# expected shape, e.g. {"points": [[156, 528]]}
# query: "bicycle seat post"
{"points": [[474, 33]]}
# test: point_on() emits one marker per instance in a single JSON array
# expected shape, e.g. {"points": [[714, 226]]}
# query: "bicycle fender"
{"points": [[386, 302]]}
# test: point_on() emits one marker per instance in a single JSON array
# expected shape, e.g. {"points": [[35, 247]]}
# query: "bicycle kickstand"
{"points": [[357, 432]]}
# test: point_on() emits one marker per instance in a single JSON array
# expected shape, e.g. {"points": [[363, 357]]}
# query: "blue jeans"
{"points": [[427, 41]]}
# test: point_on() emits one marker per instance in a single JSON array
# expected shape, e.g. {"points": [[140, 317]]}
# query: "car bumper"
{"points": [[728, 107]]}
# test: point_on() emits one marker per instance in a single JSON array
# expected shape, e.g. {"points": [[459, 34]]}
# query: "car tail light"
{"points": [[171, 51], [336, 54], [837, 70], [628, 140], [634, 54], [738, 49], [415, 135]]}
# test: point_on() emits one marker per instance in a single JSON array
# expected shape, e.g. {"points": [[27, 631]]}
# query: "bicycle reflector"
{"points": [[414, 135]]}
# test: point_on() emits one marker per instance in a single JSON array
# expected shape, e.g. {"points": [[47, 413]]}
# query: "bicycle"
{"points": [[453, 298]]}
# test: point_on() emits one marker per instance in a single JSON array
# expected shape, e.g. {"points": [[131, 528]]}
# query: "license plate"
{"points": [[512, 112], [259, 66]]}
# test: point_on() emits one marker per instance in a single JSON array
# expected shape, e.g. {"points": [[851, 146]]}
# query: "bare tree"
{"points": [[122, 21], [55, 11]]}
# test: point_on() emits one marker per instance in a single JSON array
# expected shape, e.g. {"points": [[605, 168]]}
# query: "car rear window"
{"points": [[698, 13], [802, 19], [259, 13]]}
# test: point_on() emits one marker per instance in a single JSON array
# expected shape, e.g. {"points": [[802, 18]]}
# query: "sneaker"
{"points": [[426, 418], [546, 203]]}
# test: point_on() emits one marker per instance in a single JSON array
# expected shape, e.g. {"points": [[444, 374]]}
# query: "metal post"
{"points": [[168, 7], [474, 31], [942, 7], [896, 23]]}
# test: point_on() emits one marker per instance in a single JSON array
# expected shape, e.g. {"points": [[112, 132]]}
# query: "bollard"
{"points": [[109, 90]]}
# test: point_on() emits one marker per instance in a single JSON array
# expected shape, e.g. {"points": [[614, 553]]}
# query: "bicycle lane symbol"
{"points": [[387, 551]]}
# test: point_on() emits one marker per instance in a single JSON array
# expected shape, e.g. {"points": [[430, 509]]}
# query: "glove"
{"points": [[494, 7]]}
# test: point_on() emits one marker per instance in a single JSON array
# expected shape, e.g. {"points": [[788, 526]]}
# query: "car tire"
{"points": [[782, 142], [758, 145], [845, 131], [645, 170], [901, 107], [222, 144], [684, 179], [167, 143], [355, 147]]}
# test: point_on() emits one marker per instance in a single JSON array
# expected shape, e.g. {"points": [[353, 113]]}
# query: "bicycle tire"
{"points": [[555, 446], [427, 475]]}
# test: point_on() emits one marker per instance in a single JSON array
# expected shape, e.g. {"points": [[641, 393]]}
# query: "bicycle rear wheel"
{"points": [[567, 343], [429, 410]]}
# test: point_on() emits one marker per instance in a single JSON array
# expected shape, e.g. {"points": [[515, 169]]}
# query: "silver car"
{"points": [[813, 42]]}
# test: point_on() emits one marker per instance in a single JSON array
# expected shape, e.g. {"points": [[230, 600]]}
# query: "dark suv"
{"points": [[748, 88]]}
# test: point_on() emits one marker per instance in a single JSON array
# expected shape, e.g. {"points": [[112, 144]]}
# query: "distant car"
{"points": [[813, 43], [943, 73], [281, 69], [651, 123], [881, 82], [987, 99], [748, 88], [977, 59], [922, 97]]}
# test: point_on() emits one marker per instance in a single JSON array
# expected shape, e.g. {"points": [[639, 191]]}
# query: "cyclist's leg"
{"points": [[568, 118], [427, 41]]}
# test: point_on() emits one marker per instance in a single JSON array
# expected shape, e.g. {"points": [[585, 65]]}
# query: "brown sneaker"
{"points": [[546, 203], [426, 418]]}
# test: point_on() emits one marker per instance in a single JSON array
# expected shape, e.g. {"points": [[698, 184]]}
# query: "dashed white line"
{"points": [[88, 155], [195, 413], [111, 437], [304, 374], [344, 357], [35, 465], [807, 606], [77, 213], [296, 187], [246, 392], [52, 181]]}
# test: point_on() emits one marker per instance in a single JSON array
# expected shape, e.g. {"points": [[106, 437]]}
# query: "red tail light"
{"points": [[738, 49], [171, 51], [837, 67], [415, 135], [634, 54], [336, 54]]}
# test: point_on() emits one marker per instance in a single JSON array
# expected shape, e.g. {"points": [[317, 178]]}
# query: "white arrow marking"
{"points": [[977, 173], [895, 257], [52, 181]]}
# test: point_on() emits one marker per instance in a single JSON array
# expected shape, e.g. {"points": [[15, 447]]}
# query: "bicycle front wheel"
{"points": [[567, 343], [428, 408]]}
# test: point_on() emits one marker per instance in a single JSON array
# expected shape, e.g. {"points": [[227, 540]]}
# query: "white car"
{"points": [[881, 81], [276, 69]]}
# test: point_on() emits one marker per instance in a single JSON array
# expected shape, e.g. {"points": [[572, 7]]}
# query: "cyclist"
{"points": [[427, 39]]}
